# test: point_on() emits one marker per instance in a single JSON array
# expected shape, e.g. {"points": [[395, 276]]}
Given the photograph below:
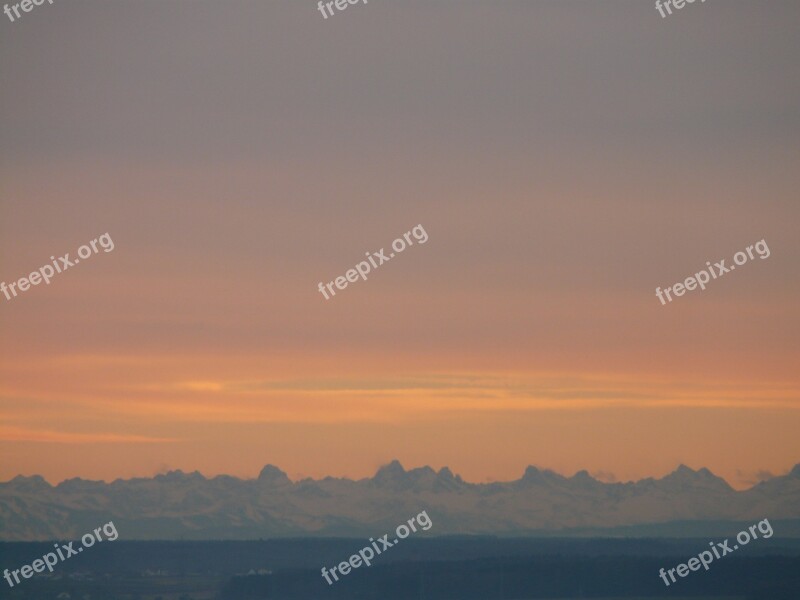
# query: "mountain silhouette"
{"points": [[178, 505]]}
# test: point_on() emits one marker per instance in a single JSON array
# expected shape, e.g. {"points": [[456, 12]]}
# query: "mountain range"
{"points": [[189, 506]]}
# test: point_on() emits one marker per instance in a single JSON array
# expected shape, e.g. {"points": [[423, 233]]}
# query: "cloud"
{"points": [[22, 434], [163, 469], [751, 478], [604, 476]]}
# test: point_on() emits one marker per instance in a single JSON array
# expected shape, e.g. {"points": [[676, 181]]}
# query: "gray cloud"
{"points": [[228, 80]]}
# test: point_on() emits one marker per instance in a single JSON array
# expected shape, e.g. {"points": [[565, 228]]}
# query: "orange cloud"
{"points": [[23, 434]]}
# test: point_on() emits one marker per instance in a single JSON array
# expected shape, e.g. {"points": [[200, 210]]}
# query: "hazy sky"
{"points": [[565, 158]]}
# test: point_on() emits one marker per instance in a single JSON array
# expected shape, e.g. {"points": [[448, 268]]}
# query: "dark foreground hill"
{"points": [[457, 568]]}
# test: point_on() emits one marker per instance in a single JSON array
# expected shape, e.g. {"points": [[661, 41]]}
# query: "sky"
{"points": [[564, 158]]}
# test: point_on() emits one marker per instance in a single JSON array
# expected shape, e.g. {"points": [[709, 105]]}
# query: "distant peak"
{"points": [[531, 471], [445, 473], [685, 476], [795, 472], [32, 481], [76, 483], [178, 475], [685, 471], [536, 475], [682, 472], [536, 472], [393, 468], [30, 478], [394, 475], [583, 475], [272, 474]]}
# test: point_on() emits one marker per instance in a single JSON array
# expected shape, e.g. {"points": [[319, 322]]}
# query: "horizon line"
{"points": [[391, 464]]}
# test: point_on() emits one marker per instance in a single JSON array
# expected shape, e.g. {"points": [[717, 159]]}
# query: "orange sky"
{"points": [[564, 159]]}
